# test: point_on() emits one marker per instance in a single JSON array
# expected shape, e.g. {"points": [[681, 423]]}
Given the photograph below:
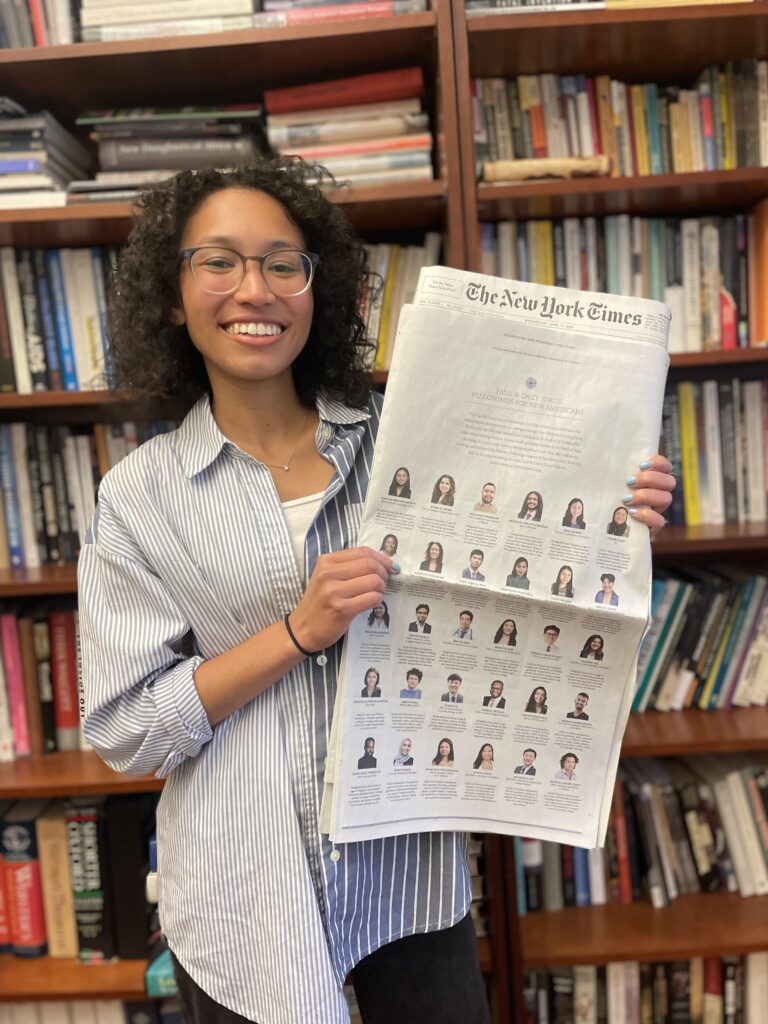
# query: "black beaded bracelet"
{"points": [[304, 651]]}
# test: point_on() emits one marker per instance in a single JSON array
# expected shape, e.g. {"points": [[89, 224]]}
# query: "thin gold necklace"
{"points": [[287, 464]]}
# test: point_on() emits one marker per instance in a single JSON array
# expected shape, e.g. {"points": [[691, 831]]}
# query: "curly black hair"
{"points": [[149, 353]]}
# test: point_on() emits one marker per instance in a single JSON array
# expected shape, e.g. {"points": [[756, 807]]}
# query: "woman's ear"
{"points": [[178, 317]]}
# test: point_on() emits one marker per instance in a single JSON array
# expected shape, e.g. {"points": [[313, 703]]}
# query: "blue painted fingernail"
{"points": [[633, 511], [631, 481], [627, 498], [646, 464], [395, 567]]}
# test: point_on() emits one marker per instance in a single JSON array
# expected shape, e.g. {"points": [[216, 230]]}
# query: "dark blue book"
{"points": [[63, 332], [581, 877], [10, 499]]}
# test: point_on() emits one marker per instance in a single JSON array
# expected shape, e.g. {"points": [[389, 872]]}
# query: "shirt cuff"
{"points": [[182, 713]]}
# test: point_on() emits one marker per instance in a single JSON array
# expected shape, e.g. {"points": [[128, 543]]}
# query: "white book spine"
{"points": [[24, 1013], [585, 994], [762, 111], [109, 1011], [584, 115], [171, 9], [745, 822], [755, 439], [572, 238], [74, 485], [15, 318], [24, 495], [753, 610], [506, 233], [590, 229], [56, 1011], [83, 269], [756, 987], [736, 849], [691, 249], [616, 993], [713, 448], [598, 890]]}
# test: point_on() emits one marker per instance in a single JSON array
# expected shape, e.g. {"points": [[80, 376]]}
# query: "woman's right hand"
{"points": [[343, 584]]}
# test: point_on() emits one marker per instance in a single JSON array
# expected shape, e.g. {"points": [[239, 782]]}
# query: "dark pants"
{"points": [[426, 979]]}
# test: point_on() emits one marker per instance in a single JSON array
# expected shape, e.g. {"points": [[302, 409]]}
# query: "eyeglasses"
{"points": [[286, 272]]}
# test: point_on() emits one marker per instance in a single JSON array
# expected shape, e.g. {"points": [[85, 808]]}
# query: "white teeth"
{"points": [[259, 329]]}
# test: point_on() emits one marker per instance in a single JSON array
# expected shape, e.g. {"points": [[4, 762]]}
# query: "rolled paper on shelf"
{"points": [[547, 167]]}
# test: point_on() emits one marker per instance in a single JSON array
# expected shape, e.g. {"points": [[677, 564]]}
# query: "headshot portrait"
{"points": [[403, 758], [619, 524], [444, 490], [433, 557], [574, 515], [367, 760], [389, 544], [494, 699], [518, 578], [412, 689], [526, 768], [563, 585], [487, 499], [472, 571], [551, 633], [464, 632], [371, 688], [580, 702], [484, 760], [379, 616], [568, 764], [420, 624], [607, 595], [444, 756], [452, 696], [506, 634], [593, 648], [537, 702], [401, 484], [532, 507]]}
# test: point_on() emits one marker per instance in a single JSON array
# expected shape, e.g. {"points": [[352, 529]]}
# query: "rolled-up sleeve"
{"points": [[142, 710]]}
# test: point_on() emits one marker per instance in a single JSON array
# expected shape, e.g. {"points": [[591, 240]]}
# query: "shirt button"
{"points": [[322, 659], [335, 856]]}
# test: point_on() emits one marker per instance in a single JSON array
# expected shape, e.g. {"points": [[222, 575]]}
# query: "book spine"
{"points": [[63, 334], [86, 840], [381, 86], [23, 888], [20, 458], [33, 330], [63, 669], [47, 320], [15, 319], [10, 499], [5, 921], [689, 453], [14, 682], [58, 898]]}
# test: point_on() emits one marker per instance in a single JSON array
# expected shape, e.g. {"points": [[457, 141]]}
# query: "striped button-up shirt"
{"points": [[189, 554]]}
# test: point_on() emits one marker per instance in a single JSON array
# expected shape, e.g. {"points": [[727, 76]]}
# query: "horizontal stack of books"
{"points": [[677, 826], [277, 13], [714, 431], [481, 8], [105, 20], [140, 146], [721, 123], [712, 989], [38, 158], [365, 130]]}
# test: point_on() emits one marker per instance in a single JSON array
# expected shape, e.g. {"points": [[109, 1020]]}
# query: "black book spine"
{"points": [[130, 821], [89, 871], [33, 330], [42, 642], [48, 495], [67, 532], [7, 374], [33, 465], [47, 321]]}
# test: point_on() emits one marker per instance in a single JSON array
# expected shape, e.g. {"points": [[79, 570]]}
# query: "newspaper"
{"points": [[490, 688]]}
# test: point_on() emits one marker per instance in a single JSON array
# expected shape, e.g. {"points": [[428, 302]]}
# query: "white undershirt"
{"points": [[299, 515]]}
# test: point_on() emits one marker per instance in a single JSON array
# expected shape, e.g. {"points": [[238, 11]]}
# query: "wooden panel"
{"points": [[48, 579], [669, 45], [71, 773], [598, 935], [695, 732], [698, 540], [45, 978]]}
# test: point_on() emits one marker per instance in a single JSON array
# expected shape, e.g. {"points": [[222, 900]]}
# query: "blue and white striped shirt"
{"points": [[189, 554]]}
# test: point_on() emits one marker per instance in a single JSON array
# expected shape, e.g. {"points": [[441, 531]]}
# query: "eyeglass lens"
{"points": [[286, 272]]}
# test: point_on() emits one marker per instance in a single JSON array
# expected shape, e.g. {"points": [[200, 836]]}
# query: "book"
{"points": [[378, 87], [18, 845], [89, 873], [56, 883]]}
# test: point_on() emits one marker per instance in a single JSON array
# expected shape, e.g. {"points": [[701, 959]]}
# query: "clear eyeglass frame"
{"points": [[282, 288]]}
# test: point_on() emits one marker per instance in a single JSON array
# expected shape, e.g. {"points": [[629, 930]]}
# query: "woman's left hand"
{"points": [[649, 492]]}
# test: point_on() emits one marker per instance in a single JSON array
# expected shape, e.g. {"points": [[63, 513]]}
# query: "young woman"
{"points": [[537, 702], [619, 525], [379, 616], [444, 491], [518, 578], [401, 484], [444, 756], [220, 573], [371, 688], [506, 634], [574, 515], [563, 585], [484, 760], [433, 558], [593, 648], [389, 545]]}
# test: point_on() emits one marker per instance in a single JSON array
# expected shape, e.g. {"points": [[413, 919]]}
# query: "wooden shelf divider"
{"points": [[692, 731], [48, 978], [68, 773]]}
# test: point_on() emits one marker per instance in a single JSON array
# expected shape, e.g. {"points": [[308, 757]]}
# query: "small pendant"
{"points": [[285, 468]]}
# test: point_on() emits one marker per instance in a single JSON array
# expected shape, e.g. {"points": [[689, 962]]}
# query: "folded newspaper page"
{"points": [[490, 688]]}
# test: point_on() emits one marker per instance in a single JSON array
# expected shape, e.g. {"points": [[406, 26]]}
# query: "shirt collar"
{"points": [[199, 440]]}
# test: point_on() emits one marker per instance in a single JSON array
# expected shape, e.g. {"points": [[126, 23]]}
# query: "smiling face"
{"points": [[580, 702], [539, 695], [444, 485], [528, 758], [488, 494], [620, 516], [521, 569], [607, 586], [405, 748], [412, 681], [378, 611], [369, 745], [389, 547], [595, 644], [401, 477], [444, 749], [421, 614], [570, 764], [486, 752], [251, 335], [453, 686], [532, 501], [565, 577], [508, 627], [475, 561], [434, 552], [496, 687], [575, 509], [372, 679]]}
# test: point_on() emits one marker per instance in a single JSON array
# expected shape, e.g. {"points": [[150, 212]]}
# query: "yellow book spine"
{"points": [[58, 901], [641, 135], [675, 134], [714, 670], [386, 309], [686, 398], [546, 251], [726, 106]]}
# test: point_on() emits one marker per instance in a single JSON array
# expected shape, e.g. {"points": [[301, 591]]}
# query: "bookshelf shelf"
{"points": [[692, 731], [721, 358], [46, 978], [598, 935], [70, 773], [730, 538], [48, 579]]}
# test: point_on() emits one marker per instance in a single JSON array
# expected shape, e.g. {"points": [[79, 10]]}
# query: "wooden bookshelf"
{"points": [[698, 924], [692, 731], [48, 579], [728, 539], [48, 978], [68, 773]]}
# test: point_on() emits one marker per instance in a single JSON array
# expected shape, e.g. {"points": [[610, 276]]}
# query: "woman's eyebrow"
{"points": [[275, 243]]}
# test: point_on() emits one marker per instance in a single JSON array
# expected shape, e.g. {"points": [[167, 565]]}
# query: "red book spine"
{"points": [[5, 925], [24, 888], [14, 684], [729, 328], [38, 22], [399, 143], [379, 87], [64, 679], [622, 844], [594, 119]]}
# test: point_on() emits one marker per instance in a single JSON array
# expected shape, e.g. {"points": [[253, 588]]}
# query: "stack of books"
{"points": [[140, 146], [105, 20], [481, 8], [276, 13], [38, 158], [718, 124], [365, 130]]}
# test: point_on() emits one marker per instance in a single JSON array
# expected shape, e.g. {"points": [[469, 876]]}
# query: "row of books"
{"points": [[48, 477], [707, 646], [366, 130], [38, 157], [714, 433], [677, 826], [643, 128], [699, 266], [72, 877], [92, 1011], [702, 990]]}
